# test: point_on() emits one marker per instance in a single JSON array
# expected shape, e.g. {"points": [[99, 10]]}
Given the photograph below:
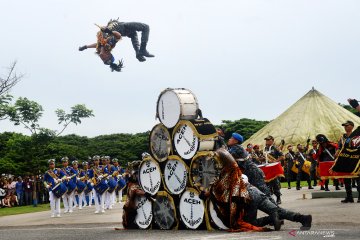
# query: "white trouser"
{"points": [[108, 200], [113, 198], [120, 193], [54, 204], [82, 199], [99, 206], [68, 200], [90, 194]]}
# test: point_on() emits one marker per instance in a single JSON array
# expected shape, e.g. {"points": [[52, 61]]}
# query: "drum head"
{"points": [[168, 108], [185, 140], [164, 211], [175, 175], [191, 209], [214, 217], [160, 142], [144, 212], [149, 176], [204, 169]]}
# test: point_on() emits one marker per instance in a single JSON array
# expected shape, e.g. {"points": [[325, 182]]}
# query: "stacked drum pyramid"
{"points": [[182, 163]]}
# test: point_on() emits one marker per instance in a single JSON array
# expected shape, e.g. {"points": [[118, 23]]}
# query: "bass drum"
{"points": [[213, 220], [164, 211], [192, 136], [191, 209], [160, 142], [144, 213], [272, 171], [150, 176], [175, 104], [204, 169], [175, 175]]}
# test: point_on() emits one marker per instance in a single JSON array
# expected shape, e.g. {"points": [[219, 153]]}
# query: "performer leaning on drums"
{"points": [[53, 180], [133, 190]]}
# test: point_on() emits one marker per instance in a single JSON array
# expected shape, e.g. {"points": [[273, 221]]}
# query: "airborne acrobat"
{"points": [[110, 34]]}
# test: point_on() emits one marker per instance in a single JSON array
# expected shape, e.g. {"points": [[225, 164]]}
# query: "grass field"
{"points": [[24, 209], [293, 184]]}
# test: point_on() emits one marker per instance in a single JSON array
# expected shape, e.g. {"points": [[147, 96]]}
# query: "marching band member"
{"points": [[273, 154], [109, 197], [326, 153], [52, 177], [257, 155], [300, 160], [98, 198], [345, 139], [289, 162], [85, 175], [68, 197], [76, 171], [121, 172], [311, 154]]}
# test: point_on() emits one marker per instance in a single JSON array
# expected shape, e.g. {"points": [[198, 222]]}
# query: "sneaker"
{"points": [[58, 215], [289, 187], [310, 187], [327, 189], [96, 212], [102, 211], [337, 188], [66, 211], [52, 215], [70, 211], [80, 208]]}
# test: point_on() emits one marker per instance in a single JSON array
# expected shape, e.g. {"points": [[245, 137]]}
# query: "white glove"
{"points": [[100, 177], [92, 184], [47, 186], [68, 178], [78, 179]]}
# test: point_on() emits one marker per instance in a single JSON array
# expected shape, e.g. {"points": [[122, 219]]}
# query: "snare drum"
{"points": [[71, 186], [164, 211], [89, 187], [294, 168], [80, 186], [121, 183], [204, 169], [112, 183], [272, 171], [59, 190], [144, 213], [150, 176], [175, 174], [175, 104], [213, 220], [160, 142], [192, 136], [306, 167], [101, 186], [191, 209]]}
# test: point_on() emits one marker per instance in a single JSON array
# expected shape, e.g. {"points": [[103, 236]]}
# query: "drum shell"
{"points": [[121, 183], [112, 183], [203, 138], [217, 167], [213, 222], [165, 178], [182, 102], [153, 171], [272, 171], [71, 186], [80, 185], [174, 211], [306, 167], [198, 223], [59, 190], [89, 187], [101, 186], [170, 145]]}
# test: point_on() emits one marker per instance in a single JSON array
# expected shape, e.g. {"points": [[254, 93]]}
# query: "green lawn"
{"points": [[293, 184], [24, 209]]}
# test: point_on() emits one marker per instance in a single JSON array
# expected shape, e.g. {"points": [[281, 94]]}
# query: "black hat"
{"points": [[269, 138], [348, 122], [321, 138]]}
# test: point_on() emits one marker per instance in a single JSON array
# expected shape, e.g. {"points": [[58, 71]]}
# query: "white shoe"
{"points": [[110, 207], [52, 215], [102, 211], [96, 212], [80, 208], [66, 211], [58, 215], [70, 211]]}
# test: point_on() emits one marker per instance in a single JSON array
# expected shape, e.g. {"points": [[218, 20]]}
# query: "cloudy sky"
{"points": [[248, 59]]}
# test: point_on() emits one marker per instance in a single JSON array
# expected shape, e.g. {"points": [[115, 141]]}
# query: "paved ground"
{"points": [[331, 219]]}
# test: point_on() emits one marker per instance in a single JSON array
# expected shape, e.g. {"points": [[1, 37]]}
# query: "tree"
{"points": [[9, 80]]}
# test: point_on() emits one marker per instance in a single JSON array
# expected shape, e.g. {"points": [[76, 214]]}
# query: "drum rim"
{"points": [[173, 158], [209, 218], [191, 125], [173, 89], [200, 154], [152, 214], [191, 189], [157, 164], [170, 148], [168, 195]]}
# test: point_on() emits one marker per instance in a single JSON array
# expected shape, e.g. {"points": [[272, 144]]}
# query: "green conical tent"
{"points": [[312, 114]]}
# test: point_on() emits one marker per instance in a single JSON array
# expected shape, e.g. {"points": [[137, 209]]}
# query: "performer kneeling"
{"points": [[133, 190]]}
